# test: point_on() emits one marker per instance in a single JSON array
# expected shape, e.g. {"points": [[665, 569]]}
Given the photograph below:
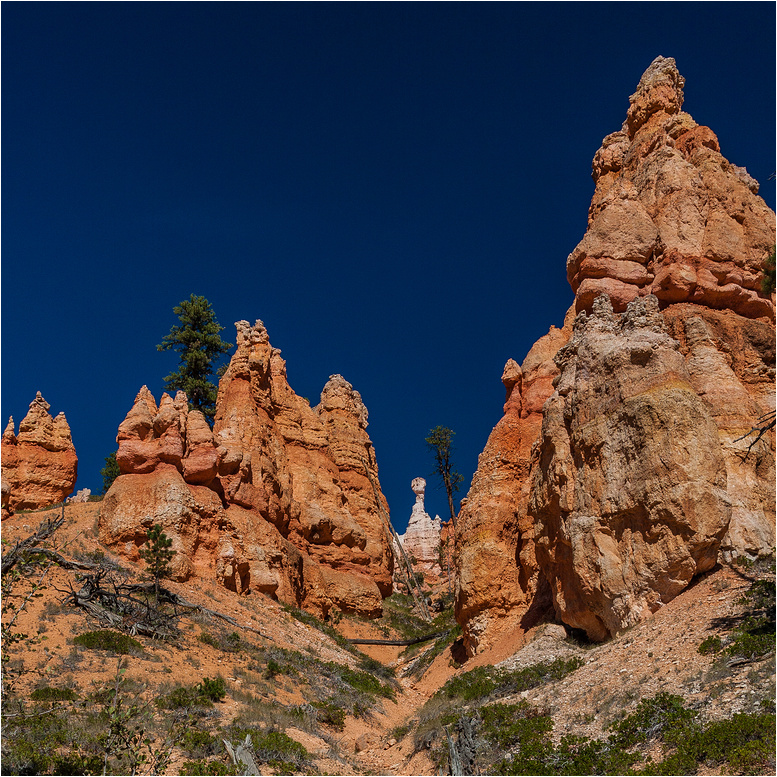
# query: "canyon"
{"points": [[621, 510]]}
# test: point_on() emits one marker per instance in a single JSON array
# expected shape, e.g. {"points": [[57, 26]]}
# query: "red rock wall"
{"points": [[274, 499], [611, 488], [39, 465]]}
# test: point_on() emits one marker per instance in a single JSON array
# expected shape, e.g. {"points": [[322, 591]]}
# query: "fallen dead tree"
{"points": [[139, 608], [21, 548], [400, 642]]}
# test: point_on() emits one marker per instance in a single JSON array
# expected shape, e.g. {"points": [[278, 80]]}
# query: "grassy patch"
{"points": [[113, 641], [487, 681], [201, 695], [53, 694]]}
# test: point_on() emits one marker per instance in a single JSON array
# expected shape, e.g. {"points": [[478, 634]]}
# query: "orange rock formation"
{"points": [[275, 498], [616, 473], [39, 465]]}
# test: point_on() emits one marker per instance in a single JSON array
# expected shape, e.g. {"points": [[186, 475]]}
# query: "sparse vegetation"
{"points": [[113, 641]]}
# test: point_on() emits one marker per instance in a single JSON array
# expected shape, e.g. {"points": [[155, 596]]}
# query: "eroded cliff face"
{"points": [[497, 577], [274, 499], [628, 492], [620, 474], [670, 215], [39, 465]]}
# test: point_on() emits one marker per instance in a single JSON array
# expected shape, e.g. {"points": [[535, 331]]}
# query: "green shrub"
{"points": [[365, 682], [279, 751], [330, 714], [273, 668], [485, 681], [200, 743], [201, 695], [710, 645], [121, 644], [209, 639], [662, 713], [53, 694], [206, 768], [212, 689]]}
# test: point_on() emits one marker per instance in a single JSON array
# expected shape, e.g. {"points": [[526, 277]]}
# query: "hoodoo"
{"points": [[275, 498], [39, 464], [622, 467]]}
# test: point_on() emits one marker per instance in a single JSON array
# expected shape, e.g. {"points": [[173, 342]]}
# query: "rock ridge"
{"points": [[275, 498]]}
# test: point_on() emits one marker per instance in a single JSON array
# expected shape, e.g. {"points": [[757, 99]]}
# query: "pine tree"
{"points": [[199, 344], [157, 555], [440, 442], [110, 471]]}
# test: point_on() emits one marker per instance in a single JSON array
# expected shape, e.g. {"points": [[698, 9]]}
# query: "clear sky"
{"points": [[393, 188]]}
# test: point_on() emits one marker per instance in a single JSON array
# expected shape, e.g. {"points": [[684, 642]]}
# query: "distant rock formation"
{"points": [[275, 498], [618, 471], [39, 465], [421, 540]]}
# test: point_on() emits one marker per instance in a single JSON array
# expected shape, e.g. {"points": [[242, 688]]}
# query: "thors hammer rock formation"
{"points": [[39, 464], [421, 540], [680, 233], [274, 499]]}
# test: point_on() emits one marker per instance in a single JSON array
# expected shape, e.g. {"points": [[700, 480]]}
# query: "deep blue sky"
{"points": [[392, 188]]}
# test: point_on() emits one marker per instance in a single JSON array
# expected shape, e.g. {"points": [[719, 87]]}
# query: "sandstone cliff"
{"points": [[39, 465], [275, 498], [617, 472]]}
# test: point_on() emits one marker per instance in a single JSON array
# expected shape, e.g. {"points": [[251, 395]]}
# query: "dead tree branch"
{"points": [[45, 530], [765, 423]]}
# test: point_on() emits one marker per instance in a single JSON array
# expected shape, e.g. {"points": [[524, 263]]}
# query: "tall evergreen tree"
{"points": [[440, 442], [198, 341], [110, 471]]}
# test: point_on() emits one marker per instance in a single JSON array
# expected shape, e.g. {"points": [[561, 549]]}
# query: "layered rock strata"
{"points": [[634, 471], [39, 464], [276, 498], [670, 215]]}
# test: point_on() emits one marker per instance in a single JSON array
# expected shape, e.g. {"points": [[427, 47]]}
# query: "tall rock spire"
{"points": [[671, 216]]}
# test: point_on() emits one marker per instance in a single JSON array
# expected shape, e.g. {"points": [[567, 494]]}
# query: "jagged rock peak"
{"points": [[39, 465], [339, 394], [670, 215], [659, 89], [249, 335]]}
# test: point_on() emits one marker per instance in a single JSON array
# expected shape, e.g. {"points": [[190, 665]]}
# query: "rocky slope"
{"points": [[39, 464], [618, 471], [287, 678], [278, 498]]}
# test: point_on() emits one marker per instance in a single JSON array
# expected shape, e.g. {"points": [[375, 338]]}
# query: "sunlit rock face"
{"points": [[629, 497], [573, 501], [671, 216], [277, 498], [497, 579], [39, 464], [421, 540]]}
